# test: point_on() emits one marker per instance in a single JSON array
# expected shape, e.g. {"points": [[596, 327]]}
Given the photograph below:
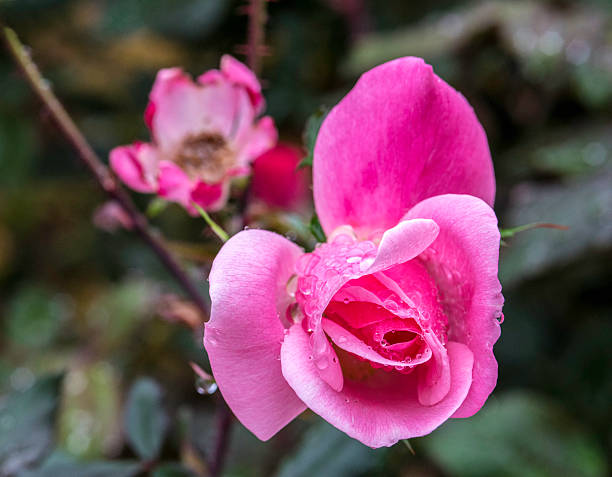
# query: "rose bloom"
{"points": [[204, 134], [277, 181], [387, 330]]}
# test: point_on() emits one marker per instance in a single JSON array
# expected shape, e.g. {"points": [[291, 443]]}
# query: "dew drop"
{"points": [[294, 313], [391, 305], [366, 263], [292, 285], [341, 339], [322, 362], [205, 386], [346, 301]]}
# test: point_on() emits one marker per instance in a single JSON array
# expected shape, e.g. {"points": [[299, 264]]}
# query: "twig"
{"points": [[256, 34], [224, 428], [107, 181]]}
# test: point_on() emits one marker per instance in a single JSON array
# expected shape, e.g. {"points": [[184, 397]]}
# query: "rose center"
{"points": [[205, 156], [399, 337]]}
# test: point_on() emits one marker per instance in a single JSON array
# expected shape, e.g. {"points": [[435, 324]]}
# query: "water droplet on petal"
{"points": [[322, 362], [294, 313], [341, 339], [391, 305], [366, 263], [292, 285]]}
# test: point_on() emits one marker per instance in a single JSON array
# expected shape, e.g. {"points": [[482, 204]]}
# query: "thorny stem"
{"points": [[85, 152], [256, 34]]}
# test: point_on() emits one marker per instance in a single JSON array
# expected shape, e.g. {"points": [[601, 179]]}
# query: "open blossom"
{"points": [[387, 330], [204, 133]]}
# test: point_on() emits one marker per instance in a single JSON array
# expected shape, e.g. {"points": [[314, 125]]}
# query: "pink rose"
{"points": [[204, 134], [277, 181], [387, 330]]}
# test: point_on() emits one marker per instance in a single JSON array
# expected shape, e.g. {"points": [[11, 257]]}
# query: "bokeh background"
{"points": [[83, 341]]}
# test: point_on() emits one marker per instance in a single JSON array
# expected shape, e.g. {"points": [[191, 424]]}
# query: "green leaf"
{"points": [[311, 131], [172, 470], [27, 421], [59, 464], [145, 419], [520, 435], [156, 206], [507, 233], [328, 452], [316, 229], [584, 205]]}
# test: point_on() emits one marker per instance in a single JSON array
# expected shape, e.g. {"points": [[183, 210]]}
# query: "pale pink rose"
{"points": [[204, 133], [387, 330], [277, 181]]}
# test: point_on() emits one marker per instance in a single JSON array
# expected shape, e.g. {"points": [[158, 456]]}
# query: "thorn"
{"points": [[409, 446]]}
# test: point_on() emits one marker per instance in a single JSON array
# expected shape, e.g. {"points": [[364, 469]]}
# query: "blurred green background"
{"points": [[93, 379]]}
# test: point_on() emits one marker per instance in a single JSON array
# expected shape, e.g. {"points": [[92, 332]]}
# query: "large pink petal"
{"points": [[243, 337], [380, 410], [399, 136], [136, 166], [463, 261]]}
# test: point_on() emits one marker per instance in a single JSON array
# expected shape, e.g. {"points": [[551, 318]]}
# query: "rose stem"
{"points": [[256, 34], [107, 181], [224, 420]]}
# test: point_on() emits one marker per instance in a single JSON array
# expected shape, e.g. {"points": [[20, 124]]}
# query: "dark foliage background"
{"points": [[77, 301]]}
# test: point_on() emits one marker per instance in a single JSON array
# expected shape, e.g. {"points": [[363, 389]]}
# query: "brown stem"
{"points": [[224, 428], [107, 181], [257, 21]]}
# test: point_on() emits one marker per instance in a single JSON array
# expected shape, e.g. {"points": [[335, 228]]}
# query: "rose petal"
{"points": [[174, 184], [136, 166], [210, 197], [255, 139], [243, 336], [180, 108], [380, 410], [403, 242], [240, 74], [463, 261], [345, 340], [407, 135]]}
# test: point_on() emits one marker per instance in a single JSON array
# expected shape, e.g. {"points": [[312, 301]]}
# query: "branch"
{"points": [[107, 181], [224, 427], [256, 34]]}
